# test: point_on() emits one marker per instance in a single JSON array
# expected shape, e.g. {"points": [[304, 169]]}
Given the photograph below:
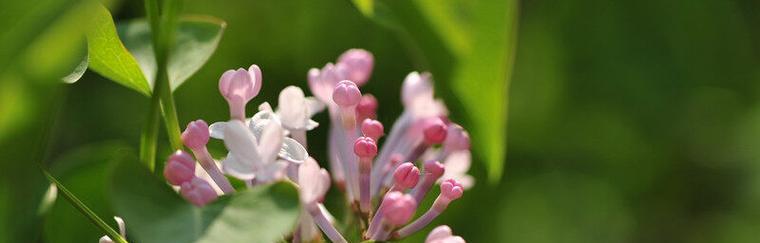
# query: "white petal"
{"points": [[311, 125], [216, 129], [270, 142], [439, 233], [314, 106], [235, 167], [467, 181], [105, 239], [242, 144], [312, 183], [458, 162], [293, 151], [272, 171], [260, 120], [292, 108], [265, 107], [120, 223]]}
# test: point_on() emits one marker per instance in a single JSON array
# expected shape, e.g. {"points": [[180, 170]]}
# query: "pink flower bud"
{"points": [[196, 134], [451, 189], [456, 138], [180, 168], [434, 168], [365, 147], [346, 94], [198, 192], [434, 130], [240, 84], [406, 175], [367, 107], [372, 128], [358, 65], [399, 208]]}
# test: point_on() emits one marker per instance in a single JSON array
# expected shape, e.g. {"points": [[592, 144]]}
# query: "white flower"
{"points": [[254, 150], [456, 166], [313, 181], [295, 110], [290, 149]]}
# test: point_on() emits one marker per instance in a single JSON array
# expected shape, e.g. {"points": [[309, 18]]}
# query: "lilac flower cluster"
{"points": [[383, 185]]}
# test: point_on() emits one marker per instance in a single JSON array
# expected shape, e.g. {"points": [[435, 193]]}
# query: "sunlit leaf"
{"points": [[155, 213], [109, 57], [196, 40]]}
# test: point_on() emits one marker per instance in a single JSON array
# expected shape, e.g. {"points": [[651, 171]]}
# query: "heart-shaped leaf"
{"points": [[155, 213], [109, 57], [197, 38]]}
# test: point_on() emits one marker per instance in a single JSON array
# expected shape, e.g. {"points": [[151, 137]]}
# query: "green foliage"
{"points": [[109, 57], [196, 40], [125, 53], [79, 205], [85, 172], [470, 47], [155, 213], [42, 33]]}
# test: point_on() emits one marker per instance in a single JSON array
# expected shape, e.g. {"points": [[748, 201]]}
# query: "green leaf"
{"points": [[109, 57], [84, 172], [469, 47], [85, 210], [153, 212], [482, 81], [196, 40]]}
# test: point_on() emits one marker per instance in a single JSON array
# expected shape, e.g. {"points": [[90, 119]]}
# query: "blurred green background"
{"points": [[629, 121]]}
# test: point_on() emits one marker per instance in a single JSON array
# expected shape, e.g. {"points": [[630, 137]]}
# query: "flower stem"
{"points": [[162, 22], [150, 135]]}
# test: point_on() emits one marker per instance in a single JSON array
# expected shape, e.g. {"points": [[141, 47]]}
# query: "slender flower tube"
{"points": [[450, 191], [347, 95], [406, 176], [443, 234], [358, 64], [398, 209], [195, 137], [433, 171], [198, 192], [313, 184], [366, 149], [238, 87]]}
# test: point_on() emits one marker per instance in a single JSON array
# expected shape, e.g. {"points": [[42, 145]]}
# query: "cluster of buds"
{"points": [[383, 185]]}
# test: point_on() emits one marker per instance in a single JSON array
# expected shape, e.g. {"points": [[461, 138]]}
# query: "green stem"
{"points": [[162, 18], [150, 134], [79, 205]]}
